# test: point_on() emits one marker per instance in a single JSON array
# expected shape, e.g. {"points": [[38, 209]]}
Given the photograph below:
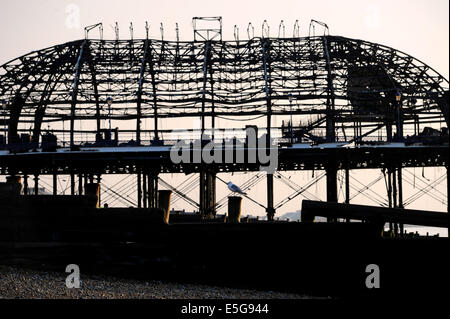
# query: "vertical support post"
{"points": [[266, 64], [400, 194], [202, 192], [389, 132], [144, 189], [331, 169], [139, 188], [99, 181], [14, 185], [155, 101], [207, 181], [151, 203], [389, 191], [55, 184], [212, 194], [36, 184], [399, 119], [347, 184], [213, 119], [270, 209], [153, 189], [80, 184], [25, 184], [267, 89], [234, 209], [164, 203], [394, 196], [93, 189], [331, 172], [448, 204], [72, 184]]}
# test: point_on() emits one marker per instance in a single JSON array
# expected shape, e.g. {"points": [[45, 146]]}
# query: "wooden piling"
{"points": [[93, 189], [234, 209], [164, 203]]}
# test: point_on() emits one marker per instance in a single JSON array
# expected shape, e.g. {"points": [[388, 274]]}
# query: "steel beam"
{"points": [[139, 92], [155, 96], [331, 132], [205, 79], [76, 82], [380, 215]]}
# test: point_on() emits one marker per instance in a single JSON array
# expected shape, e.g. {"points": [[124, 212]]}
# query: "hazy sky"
{"points": [[417, 27]]}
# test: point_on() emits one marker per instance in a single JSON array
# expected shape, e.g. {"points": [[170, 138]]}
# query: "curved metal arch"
{"points": [[19, 98], [426, 83]]}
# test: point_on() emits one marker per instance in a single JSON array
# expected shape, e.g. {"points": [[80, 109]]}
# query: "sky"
{"points": [[417, 27]]}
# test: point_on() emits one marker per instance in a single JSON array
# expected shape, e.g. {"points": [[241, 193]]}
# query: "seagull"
{"points": [[235, 188]]}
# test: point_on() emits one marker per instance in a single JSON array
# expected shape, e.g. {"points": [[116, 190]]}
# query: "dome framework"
{"points": [[344, 82]]}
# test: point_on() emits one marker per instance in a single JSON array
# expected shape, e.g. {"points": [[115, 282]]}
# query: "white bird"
{"points": [[235, 188]]}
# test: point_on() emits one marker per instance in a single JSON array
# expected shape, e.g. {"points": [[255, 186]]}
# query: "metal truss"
{"points": [[350, 83]]}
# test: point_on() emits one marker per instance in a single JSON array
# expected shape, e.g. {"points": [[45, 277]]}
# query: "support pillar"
{"points": [[202, 193], [389, 132], [347, 186], [99, 182], [394, 196], [12, 187], [332, 188], [80, 184], [164, 203], [448, 206], [144, 189], [72, 184], [400, 194], [152, 186], [55, 184], [234, 209], [25, 184], [270, 209], [207, 193], [93, 189], [211, 194], [36, 184], [139, 188], [389, 192]]}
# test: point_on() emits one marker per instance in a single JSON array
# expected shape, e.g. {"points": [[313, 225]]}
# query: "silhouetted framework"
{"points": [[334, 76], [339, 90]]}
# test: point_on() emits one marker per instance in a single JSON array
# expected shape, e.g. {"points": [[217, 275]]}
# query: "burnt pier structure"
{"points": [[345, 104]]}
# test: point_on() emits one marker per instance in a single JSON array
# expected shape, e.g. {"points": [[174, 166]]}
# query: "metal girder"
{"points": [[205, 79], [331, 136], [267, 86], [155, 96], [96, 93], [139, 92], [78, 66]]}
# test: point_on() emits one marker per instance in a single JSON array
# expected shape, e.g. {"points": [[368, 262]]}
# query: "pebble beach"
{"points": [[17, 283]]}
